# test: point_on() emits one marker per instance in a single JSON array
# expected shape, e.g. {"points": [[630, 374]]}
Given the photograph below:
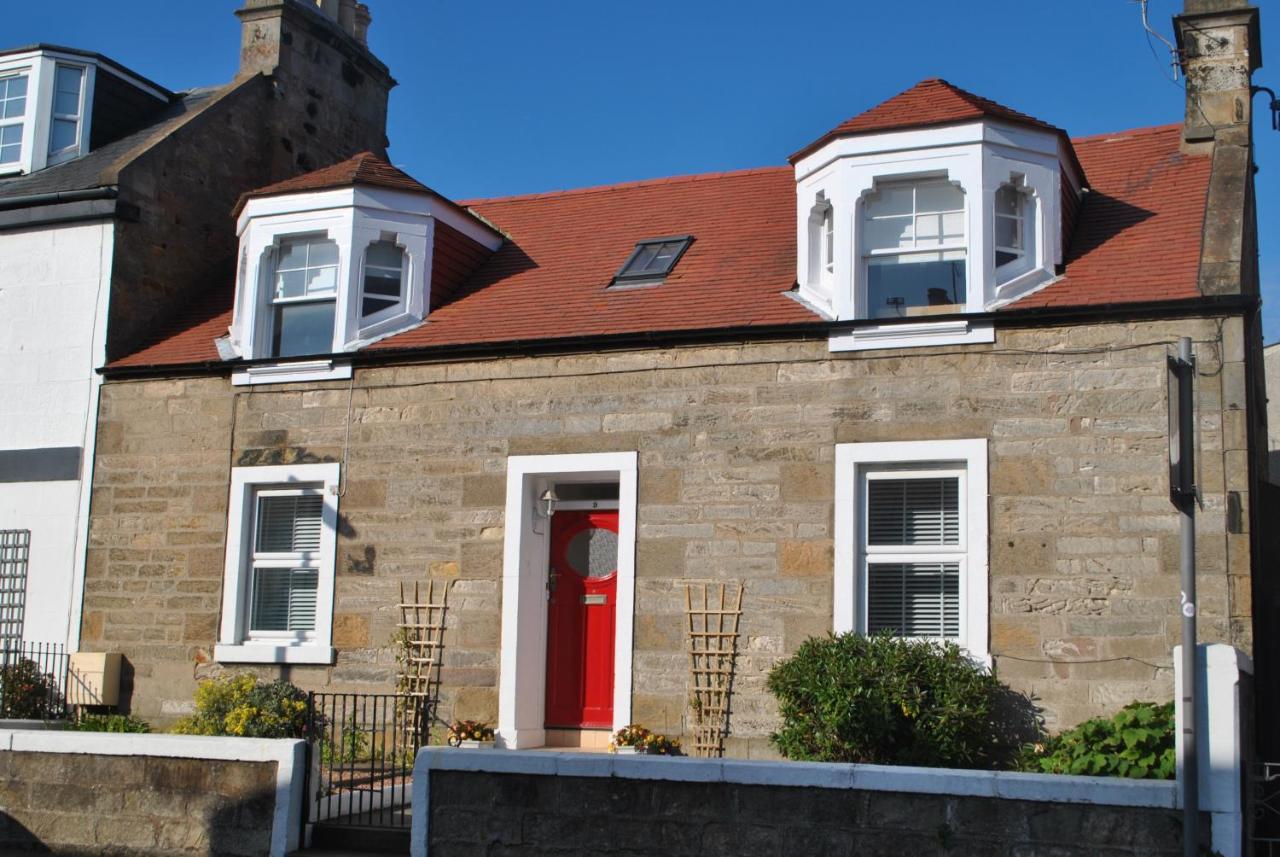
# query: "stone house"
{"points": [[113, 199], [912, 381]]}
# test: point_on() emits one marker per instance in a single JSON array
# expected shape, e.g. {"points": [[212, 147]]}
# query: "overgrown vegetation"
{"points": [[892, 701], [1138, 742], [242, 706], [27, 693], [109, 723]]}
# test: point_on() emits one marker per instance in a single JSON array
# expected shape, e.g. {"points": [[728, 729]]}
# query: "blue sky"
{"points": [[513, 96]]}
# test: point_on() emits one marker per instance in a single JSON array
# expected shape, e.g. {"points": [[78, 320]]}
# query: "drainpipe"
{"points": [[1186, 500]]}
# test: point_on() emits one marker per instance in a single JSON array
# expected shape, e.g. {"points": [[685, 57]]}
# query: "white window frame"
{"points": [[391, 310], [854, 461], [236, 644], [79, 146], [21, 121], [271, 270]]}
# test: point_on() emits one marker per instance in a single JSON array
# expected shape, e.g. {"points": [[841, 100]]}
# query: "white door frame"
{"points": [[522, 678]]}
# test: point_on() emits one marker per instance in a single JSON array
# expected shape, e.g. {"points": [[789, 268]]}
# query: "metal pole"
{"points": [[1187, 519]]}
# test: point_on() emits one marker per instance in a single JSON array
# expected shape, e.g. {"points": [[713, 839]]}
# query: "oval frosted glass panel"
{"points": [[593, 552]]}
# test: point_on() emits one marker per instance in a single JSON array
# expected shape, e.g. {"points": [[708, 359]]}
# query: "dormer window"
{"points": [[337, 259], [914, 249], [1014, 240], [13, 111], [303, 298], [68, 110], [384, 270], [652, 260]]}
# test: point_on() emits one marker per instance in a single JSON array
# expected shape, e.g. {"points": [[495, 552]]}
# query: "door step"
{"points": [[349, 839], [585, 739]]}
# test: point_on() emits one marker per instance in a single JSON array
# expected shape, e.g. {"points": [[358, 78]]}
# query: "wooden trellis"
{"points": [[713, 649], [422, 640]]}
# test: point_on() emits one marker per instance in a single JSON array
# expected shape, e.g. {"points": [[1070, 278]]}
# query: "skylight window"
{"points": [[653, 259]]}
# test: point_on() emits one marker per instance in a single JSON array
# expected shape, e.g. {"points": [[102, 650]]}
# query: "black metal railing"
{"points": [[33, 681], [362, 750]]}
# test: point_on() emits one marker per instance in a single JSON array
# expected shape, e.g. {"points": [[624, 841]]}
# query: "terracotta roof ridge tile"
{"points": [[629, 185]]}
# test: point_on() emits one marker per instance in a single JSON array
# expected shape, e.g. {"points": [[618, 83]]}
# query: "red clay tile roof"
{"points": [[365, 168], [1137, 235], [930, 102], [1137, 238]]}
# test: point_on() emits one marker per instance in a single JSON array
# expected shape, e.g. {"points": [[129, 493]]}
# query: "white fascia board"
{"points": [[430, 206], [289, 371], [301, 206], [890, 142]]}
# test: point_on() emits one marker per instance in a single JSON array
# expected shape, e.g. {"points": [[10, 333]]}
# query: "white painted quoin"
{"points": [[54, 284], [353, 219], [835, 181]]}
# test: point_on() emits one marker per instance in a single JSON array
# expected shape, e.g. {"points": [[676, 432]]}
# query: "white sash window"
{"points": [[285, 562]]}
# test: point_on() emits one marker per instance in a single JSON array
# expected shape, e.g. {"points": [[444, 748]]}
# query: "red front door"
{"points": [[581, 609]]}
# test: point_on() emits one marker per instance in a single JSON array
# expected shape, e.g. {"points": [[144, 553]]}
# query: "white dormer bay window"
{"points": [[330, 270], [915, 248], [896, 227]]}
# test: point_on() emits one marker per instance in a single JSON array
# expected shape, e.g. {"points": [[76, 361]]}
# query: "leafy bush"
{"points": [[1138, 742], [891, 701], [109, 723], [27, 693], [352, 745], [242, 706]]}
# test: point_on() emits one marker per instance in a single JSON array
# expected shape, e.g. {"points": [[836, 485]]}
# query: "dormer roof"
{"points": [[930, 103], [366, 169]]}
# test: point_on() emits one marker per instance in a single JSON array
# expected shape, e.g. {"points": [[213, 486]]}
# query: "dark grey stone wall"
{"points": [[515, 814], [133, 806]]}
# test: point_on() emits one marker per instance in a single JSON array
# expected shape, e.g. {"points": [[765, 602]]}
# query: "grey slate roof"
{"points": [[88, 172]]}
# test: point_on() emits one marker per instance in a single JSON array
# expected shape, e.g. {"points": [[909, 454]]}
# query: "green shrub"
{"points": [[1138, 742], [242, 706], [26, 693], [352, 746], [887, 700], [109, 723]]}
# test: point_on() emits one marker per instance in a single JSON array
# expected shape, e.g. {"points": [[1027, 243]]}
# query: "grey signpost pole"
{"points": [[1183, 491]]}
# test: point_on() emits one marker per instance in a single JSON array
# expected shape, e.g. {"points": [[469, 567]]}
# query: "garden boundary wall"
{"points": [[538, 802], [84, 792]]}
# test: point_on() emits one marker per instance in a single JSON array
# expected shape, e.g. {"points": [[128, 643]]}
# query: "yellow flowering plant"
{"points": [[644, 740], [469, 730], [241, 706]]}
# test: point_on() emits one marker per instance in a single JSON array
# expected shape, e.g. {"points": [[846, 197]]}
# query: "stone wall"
{"points": [[134, 806], [478, 813], [736, 480]]}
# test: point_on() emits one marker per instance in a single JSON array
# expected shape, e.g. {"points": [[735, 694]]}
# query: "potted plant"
{"points": [[470, 734], [637, 740]]}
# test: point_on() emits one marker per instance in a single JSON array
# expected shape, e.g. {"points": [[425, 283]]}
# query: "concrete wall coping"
{"points": [[287, 753], [1052, 788]]}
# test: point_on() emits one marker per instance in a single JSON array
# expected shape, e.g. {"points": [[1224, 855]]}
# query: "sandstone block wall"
{"points": [[475, 813], [132, 806], [736, 481]]}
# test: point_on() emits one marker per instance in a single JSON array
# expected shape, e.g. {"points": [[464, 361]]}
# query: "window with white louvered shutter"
{"points": [[288, 524], [913, 553]]}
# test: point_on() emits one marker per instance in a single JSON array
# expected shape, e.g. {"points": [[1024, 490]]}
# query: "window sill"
{"points": [[284, 373], [272, 653], [922, 335]]}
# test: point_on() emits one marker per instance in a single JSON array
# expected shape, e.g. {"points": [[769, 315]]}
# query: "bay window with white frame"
{"points": [[911, 541], [914, 249], [383, 287], [67, 114], [281, 547]]}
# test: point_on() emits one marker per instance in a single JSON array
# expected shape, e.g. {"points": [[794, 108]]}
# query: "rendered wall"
{"points": [[735, 483], [53, 287]]}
